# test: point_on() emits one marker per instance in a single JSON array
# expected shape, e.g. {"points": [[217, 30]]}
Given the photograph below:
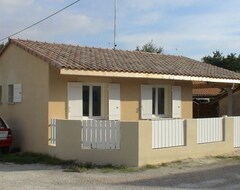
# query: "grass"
{"points": [[32, 158], [236, 157], [73, 166], [166, 164], [227, 157], [108, 168], [151, 166], [222, 157], [68, 166], [83, 167]]}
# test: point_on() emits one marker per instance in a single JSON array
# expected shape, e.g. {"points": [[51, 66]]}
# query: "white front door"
{"points": [[114, 101], [176, 102], [146, 101]]}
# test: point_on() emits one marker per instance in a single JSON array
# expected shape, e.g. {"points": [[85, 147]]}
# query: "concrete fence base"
{"points": [[136, 144]]}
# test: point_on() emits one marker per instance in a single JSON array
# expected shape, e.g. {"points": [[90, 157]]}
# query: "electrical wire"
{"points": [[36, 23]]}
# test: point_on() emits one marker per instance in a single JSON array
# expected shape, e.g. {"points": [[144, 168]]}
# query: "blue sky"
{"points": [[192, 28]]}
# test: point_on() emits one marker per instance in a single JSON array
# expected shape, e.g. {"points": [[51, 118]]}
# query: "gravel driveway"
{"points": [[195, 174]]}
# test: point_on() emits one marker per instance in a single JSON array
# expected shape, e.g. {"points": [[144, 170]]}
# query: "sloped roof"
{"points": [[207, 92], [71, 57]]}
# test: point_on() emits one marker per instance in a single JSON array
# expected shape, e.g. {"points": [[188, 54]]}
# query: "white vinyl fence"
{"points": [[100, 134], [53, 131], [168, 133], [209, 130], [236, 131]]}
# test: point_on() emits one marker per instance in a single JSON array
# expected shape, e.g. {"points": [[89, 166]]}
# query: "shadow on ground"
{"points": [[227, 177]]}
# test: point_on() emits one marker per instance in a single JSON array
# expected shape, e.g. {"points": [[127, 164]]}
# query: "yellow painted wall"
{"points": [[147, 155], [57, 95], [130, 95], [130, 99], [223, 105], [136, 145], [28, 119], [69, 145], [187, 109]]}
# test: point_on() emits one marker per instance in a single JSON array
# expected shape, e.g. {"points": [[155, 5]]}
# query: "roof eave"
{"points": [[65, 71]]}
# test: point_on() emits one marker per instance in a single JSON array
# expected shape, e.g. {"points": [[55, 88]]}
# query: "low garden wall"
{"points": [[139, 145]]}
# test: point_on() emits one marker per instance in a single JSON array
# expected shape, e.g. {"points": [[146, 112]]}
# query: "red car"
{"points": [[6, 138]]}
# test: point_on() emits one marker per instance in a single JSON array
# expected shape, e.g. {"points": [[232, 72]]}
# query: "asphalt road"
{"points": [[191, 174]]}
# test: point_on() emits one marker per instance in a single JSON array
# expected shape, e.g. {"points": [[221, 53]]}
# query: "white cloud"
{"points": [[149, 18], [195, 34], [81, 24], [11, 6], [186, 44], [149, 4], [67, 25], [193, 27]]}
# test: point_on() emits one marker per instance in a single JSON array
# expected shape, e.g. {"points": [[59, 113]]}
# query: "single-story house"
{"points": [[99, 105]]}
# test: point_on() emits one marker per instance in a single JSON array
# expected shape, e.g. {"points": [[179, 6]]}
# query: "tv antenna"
{"points": [[115, 24]]}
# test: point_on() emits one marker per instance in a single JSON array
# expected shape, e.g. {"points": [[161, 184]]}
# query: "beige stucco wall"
{"points": [[187, 109], [28, 119], [130, 95], [136, 145], [68, 145], [147, 155], [223, 105], [57, 95]]}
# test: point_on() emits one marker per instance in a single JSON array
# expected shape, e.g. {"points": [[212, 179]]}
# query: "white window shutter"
{"points": [[17, 93], [176, 102], [146, 101], [75, 100], [114, 109]]}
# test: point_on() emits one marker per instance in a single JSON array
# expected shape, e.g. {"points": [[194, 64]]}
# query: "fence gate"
{"points": [[236, 131], [100, 134], [53, 128], [209, 130], [168, 133]]}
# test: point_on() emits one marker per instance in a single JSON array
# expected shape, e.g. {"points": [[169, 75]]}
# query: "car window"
{"points": [[2, 124]]}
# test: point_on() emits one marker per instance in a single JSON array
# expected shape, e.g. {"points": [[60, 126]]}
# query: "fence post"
{"points": [[144, 142], [228, 131], [191, 133], [236, 131]]}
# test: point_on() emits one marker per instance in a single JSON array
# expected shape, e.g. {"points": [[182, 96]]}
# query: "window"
{"points": [[154, 101], [14, 93], [92, 100], [86, 101], [158, 101], [0, 94], [85, 96], [96, 98], [10, 93]]}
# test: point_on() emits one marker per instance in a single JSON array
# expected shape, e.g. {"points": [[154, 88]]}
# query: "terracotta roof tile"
{"points": [[98, 59], [208, 92]]}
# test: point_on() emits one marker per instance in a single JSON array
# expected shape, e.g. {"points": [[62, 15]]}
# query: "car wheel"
{"points": [[5, 149]]}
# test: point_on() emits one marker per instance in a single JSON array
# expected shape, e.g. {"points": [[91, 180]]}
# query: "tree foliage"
{"points": [[150, 47], [1, 46], [230, 62]]}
